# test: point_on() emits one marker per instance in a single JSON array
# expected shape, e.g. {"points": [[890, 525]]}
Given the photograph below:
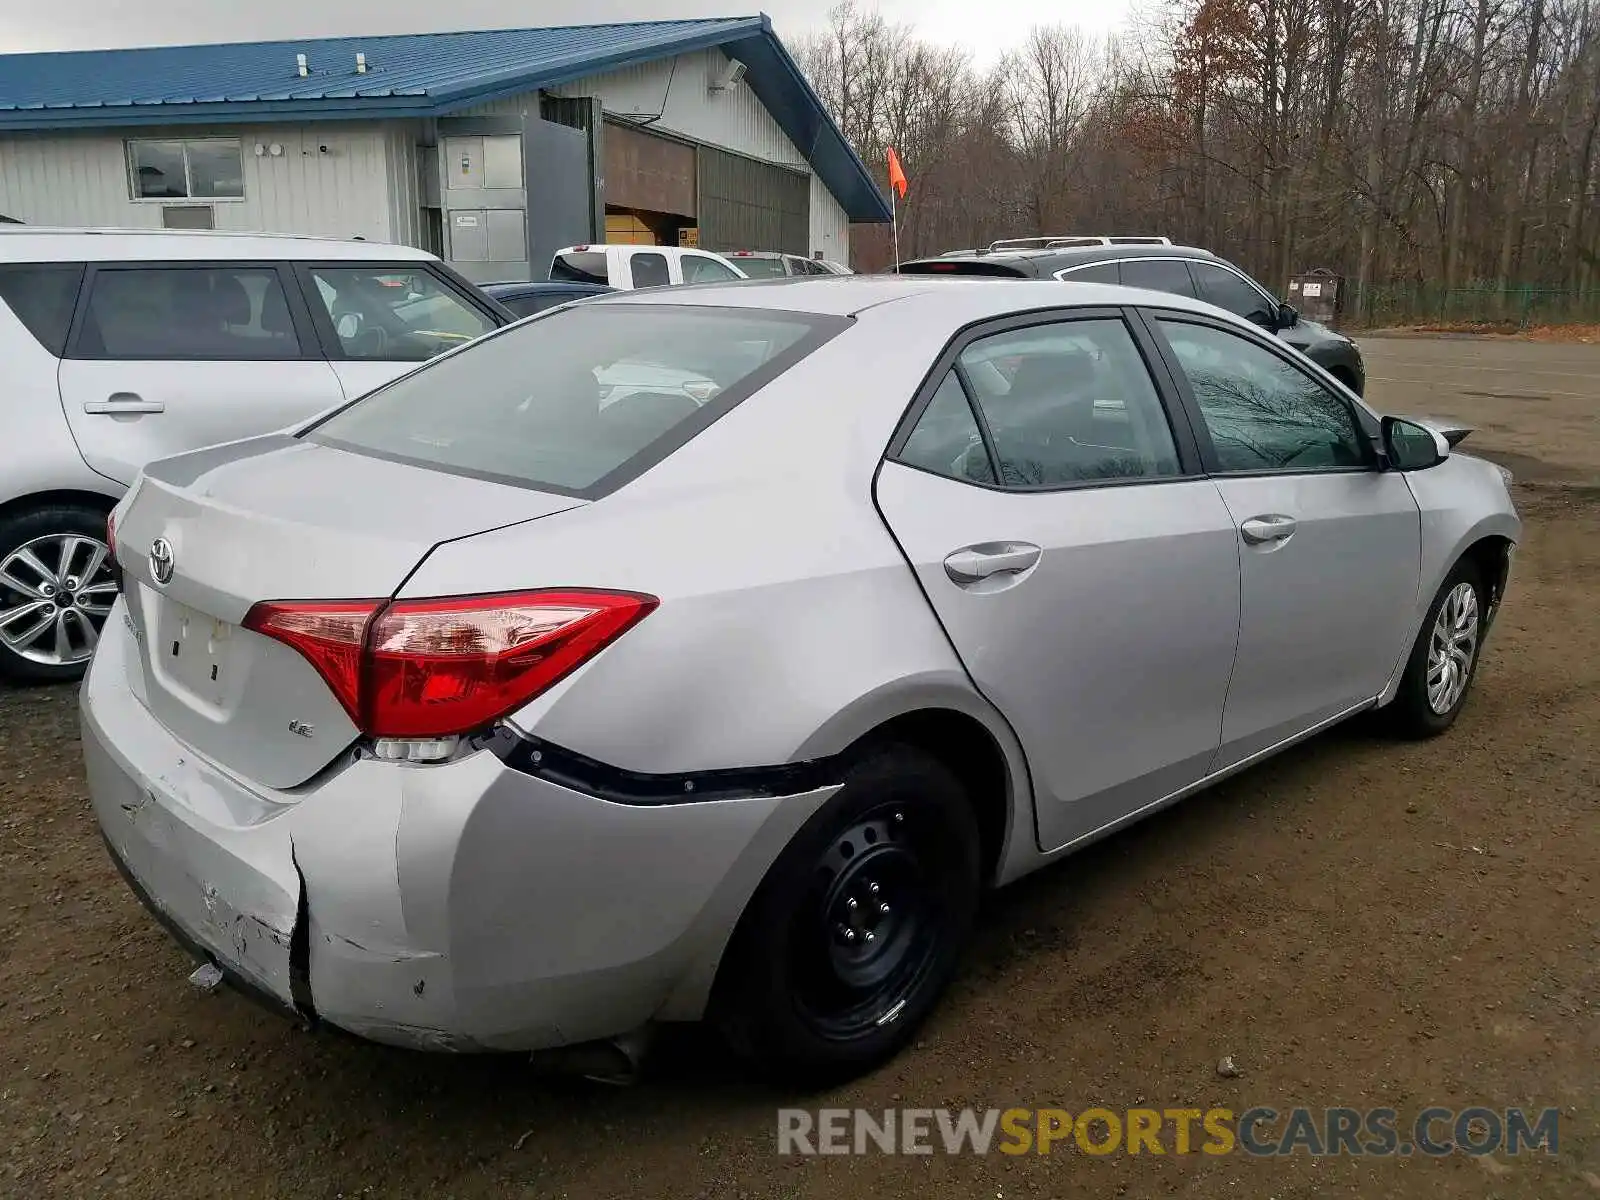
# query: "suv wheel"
{"points": [[56, 591]]}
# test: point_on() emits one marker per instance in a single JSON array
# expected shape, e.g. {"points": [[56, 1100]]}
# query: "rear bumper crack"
{"points": [[300, 949]]}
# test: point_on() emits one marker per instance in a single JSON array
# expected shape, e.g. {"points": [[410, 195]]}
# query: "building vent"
{"points": [[188, 216]]}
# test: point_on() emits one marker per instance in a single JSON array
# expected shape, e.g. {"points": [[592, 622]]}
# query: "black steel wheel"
{"points": [[859, 926]]}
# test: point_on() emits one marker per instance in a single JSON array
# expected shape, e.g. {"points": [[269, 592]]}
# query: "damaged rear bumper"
{"points": [[243, 984], [465, 906]]}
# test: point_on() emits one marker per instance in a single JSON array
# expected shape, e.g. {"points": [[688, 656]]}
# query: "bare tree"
{"points": [[1429, 150]]}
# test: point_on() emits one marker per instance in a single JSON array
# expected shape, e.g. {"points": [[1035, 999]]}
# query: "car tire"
{"points": [[1437, 681], [815, 989], [38, 536]]}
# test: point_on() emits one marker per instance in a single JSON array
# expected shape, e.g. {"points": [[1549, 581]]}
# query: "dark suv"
{"points": [[1185, 270]]}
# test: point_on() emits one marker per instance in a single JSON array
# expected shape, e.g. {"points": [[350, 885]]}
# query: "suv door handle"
{"points": [[1274, 527], [123, 402], [971, 564]]}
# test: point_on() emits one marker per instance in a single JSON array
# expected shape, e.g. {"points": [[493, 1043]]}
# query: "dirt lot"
{"points": [[1356, 923]]}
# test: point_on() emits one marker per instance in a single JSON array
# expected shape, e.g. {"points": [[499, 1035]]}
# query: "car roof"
{"points": [[1048, 262], [960, 299], [36, 243], [511, 287], [598, 247]]}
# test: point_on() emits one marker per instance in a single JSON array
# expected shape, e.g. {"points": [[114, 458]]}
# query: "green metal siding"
{"points": [[750, 205]]}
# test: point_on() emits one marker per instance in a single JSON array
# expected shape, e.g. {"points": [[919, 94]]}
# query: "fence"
{"points": [[1523, 305]]}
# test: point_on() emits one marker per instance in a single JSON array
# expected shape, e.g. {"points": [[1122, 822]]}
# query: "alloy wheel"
{"points": [[1452, 648], [55, 594]]}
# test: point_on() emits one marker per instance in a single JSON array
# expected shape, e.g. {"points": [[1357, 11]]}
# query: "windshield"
{"points": [[396, 315], [581, 400]]}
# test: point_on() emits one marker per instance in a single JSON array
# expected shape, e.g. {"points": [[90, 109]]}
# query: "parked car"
{"points": [[525, 299], [124, 346], [626, 267], [770, 264], [476, 716], [1156, 264]]}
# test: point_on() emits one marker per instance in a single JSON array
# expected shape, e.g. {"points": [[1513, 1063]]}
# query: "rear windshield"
{"points": [[945, 266], [579, 401], [583, 266]]}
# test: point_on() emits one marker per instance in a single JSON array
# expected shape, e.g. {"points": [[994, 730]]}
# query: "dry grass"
{"points": [[1585, 334]]}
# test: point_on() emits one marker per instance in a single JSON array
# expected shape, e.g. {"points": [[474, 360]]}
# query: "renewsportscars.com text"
{"points": [[1259, 1131]]}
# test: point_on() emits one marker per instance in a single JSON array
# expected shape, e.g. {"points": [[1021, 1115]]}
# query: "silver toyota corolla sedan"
{"points": [[478, 715]]}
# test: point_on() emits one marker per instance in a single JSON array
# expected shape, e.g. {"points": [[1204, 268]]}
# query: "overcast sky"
{"points": [[985, 27]]}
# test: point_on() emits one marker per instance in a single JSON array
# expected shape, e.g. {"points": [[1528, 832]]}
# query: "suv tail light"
{"points": [[437, 668]]}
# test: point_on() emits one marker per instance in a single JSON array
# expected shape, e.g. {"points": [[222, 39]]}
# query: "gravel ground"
{"points": [[1357, 922]]}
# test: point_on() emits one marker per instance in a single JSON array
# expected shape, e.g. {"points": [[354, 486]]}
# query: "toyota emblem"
{"points": [[161, 560]]}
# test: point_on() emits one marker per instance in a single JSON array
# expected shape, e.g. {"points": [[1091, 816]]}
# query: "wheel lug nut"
{"points": [[899, 816], [871, 937], [872, 887], [850, 903], [883, 909]]}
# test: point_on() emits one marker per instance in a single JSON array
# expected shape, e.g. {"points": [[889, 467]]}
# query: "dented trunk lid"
{"points": [[276, 519]]}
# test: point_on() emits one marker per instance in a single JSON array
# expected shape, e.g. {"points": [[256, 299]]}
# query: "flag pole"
{"points": [[894, 222]]}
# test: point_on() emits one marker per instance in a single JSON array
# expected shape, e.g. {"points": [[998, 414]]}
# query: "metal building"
{"points": [[491, 149]]}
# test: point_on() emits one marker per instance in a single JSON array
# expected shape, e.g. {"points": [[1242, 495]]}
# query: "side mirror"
{"points": [[1408, 446], [1288, 316]]}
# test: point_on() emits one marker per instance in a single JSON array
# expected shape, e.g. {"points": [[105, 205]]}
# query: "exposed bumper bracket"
{"points": [[578, 773]]}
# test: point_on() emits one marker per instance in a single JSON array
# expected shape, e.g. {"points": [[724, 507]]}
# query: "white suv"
{"points": [[125, 346]]}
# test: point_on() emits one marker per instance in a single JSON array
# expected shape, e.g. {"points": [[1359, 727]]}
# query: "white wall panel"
{"points": [[677, 89], [830, 227], [82, 179]]}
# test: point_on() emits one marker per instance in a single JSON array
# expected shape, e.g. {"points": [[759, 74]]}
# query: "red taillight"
{"points": [[329, 636], [435, 668]]}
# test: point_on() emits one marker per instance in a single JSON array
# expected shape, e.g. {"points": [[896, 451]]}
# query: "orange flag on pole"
{"points": [[897, 177]]}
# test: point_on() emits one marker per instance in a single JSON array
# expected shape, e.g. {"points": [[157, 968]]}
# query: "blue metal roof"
{"points": [[410, 75]]}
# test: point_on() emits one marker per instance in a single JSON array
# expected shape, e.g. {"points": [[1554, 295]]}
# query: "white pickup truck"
{"points": [[626, 266]]}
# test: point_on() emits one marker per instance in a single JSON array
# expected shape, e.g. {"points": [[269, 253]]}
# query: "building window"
{"points": [[201, 169]]}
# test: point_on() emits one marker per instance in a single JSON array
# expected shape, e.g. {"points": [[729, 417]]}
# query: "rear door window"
{"points": [[219, 312], [43, 297], [1070, 403], [394, 314], [581, 401], [1158, 275], [649, 270]]}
